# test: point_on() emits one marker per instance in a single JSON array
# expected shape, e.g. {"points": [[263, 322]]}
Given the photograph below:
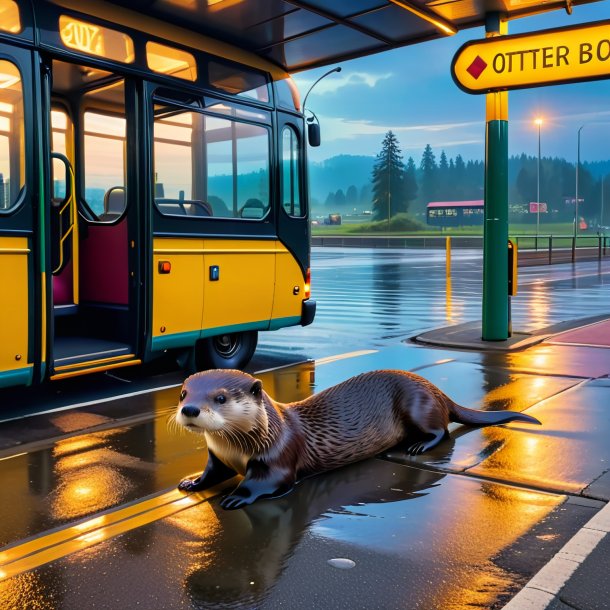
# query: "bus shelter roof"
{"points": [[302, 34]]}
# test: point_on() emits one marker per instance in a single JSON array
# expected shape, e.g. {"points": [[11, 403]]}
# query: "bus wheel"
{"points": [[226, 351]]}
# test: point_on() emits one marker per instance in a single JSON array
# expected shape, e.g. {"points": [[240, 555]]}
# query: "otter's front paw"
{"points": [[190, 484], [232, 502]]}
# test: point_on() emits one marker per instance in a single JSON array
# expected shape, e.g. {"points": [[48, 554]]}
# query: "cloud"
{"points": [[335, 128], [335, 82]]}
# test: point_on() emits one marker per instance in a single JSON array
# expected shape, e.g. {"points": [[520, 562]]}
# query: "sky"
{"points": [[411, 91]]}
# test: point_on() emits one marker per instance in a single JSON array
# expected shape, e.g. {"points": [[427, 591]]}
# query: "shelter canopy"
{"points": [[303, 34]]}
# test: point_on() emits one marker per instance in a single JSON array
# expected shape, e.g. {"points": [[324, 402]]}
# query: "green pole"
{"points": [[495, 325]]}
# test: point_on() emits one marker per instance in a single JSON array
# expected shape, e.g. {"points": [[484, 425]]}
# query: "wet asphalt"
{"points": [[465, 525]]}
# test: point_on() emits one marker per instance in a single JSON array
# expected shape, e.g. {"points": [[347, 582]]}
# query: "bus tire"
{"points": [[226, 351]]}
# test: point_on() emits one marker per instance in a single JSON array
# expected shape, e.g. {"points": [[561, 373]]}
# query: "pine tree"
{"points": [[443, 181], [351, 197], [388, 180], [410, 181], [429, 170]]}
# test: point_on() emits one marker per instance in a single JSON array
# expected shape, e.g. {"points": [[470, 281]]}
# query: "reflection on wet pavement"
{"points": [[408, 535], [369, 298], [84, 475]]}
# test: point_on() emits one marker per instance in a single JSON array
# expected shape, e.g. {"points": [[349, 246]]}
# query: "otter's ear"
{"points": [[257, 387]]}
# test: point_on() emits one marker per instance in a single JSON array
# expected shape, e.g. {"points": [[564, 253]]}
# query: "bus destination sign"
{"points": [[548, 57]]}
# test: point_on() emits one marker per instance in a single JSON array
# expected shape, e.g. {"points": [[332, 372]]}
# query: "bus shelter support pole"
{"points": [[495, 326]]}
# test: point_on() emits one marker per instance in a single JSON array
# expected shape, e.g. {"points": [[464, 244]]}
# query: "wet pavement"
{"points": [[90, 518]]}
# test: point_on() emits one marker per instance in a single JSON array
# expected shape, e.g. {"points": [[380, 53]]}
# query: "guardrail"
{"points": [[533, 249], [564, 247]]}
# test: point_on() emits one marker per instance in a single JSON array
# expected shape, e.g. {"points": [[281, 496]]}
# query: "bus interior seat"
{"points": [[114, 203], [184, 207], [253, 208]]}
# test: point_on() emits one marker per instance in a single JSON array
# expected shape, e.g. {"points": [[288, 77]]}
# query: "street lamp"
{"points": [[538, 122]]}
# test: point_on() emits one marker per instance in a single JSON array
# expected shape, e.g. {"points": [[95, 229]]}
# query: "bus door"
{"points": [[292, 223], [18, 317], [92, 227]]}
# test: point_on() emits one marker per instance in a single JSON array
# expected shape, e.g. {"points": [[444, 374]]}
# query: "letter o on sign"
{"points": [[499, 63], [603, 50]]}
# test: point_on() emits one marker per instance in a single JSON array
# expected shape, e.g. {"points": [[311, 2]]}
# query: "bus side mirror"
{"points": [[313, 132]]}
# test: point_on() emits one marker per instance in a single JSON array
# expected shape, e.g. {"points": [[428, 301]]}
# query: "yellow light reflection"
{"points": [[9, 17], [427, 15], [96, 40]]}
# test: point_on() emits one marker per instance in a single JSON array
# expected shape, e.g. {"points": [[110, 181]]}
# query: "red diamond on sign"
{"points": [[476, 68]]}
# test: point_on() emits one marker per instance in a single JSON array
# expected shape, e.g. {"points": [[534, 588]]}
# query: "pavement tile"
{"points": [[574, 424], [554, 575], [529, 599], [600, 488], [601, 521], [581, 545]]}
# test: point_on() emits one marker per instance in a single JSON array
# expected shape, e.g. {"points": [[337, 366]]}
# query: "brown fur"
{"points": [[274, 444]]}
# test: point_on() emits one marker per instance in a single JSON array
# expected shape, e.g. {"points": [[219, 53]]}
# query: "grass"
{"points": [[560, 231]]}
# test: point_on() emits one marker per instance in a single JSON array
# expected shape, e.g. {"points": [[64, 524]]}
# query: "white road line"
{"points": [[540, 591], [92, 402]]}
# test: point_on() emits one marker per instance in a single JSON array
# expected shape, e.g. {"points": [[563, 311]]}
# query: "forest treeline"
{"points": [[391, 183]]}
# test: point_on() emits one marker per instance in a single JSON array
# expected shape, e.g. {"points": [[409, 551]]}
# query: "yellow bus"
{"points": [[152, 194]]}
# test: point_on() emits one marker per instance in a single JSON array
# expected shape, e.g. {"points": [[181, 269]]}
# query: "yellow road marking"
{"points": [[328, 359], [58, 544]]}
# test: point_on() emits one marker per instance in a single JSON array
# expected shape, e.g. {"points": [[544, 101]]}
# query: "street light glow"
{"points": [[539, 121]]}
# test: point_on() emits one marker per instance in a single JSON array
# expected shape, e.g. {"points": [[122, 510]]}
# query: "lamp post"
{"points": [[576, 200], [338, 69], [601, 212], [538, 122]]}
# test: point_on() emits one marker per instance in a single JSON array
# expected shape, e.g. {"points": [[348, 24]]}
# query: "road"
{"points": [[89, 514]]}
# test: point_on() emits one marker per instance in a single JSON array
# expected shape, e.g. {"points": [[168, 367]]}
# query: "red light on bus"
{"points": [[165, 266], [307, 287]]}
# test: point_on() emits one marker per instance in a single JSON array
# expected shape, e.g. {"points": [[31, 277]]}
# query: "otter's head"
{"points": [[222, 400]]}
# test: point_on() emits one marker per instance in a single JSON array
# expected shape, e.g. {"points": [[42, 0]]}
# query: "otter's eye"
{"points": [[183, 395], [220, 399]]}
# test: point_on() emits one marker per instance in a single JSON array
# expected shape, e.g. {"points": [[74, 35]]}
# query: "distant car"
{"points": [[333, 219]]}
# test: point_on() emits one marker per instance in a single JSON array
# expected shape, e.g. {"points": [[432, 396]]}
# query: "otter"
{"points": [[273, 445]]}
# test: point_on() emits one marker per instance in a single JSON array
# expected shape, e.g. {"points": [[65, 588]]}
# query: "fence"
{"points": [[535, 250]]}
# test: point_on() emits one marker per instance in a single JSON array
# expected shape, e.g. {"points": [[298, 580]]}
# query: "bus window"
{"points": [[291, 195], [238, 80], [104, 176], [59, 138], [210, 166], [167, 60], [9, 17], [12, 157]]}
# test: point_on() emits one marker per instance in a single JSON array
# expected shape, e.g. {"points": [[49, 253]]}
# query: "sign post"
{"points": [[550, 57], [495, 326]]}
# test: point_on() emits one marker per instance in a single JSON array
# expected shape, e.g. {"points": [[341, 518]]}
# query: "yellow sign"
{"points": [[550, 57]]}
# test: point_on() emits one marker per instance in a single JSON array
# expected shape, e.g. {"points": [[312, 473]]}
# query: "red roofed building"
{"points": [[455, 213]]}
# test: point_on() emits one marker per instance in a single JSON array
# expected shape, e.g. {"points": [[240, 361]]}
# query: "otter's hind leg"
{"points": [[215, 472], [430, 417], [421, 446]]}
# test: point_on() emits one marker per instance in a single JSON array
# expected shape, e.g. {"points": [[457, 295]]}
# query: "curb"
{"points": [[544, 587]]}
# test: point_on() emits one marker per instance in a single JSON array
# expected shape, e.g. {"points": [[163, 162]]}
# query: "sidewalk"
{"points": [[578, 576]]}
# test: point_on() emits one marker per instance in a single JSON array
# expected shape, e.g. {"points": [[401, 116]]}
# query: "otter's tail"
{"points": [[473, 417]]}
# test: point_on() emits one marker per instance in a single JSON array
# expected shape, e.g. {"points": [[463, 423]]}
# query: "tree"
{"points": [[340, 198], [429, 170], [445, 190], [351, 196], [389, 197], [410, 181]]}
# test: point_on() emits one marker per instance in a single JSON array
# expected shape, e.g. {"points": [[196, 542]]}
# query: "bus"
{"points": [[153, 195]]}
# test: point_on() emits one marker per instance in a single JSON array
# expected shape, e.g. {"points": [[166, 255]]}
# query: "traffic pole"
{"points": [[495, 326]]}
